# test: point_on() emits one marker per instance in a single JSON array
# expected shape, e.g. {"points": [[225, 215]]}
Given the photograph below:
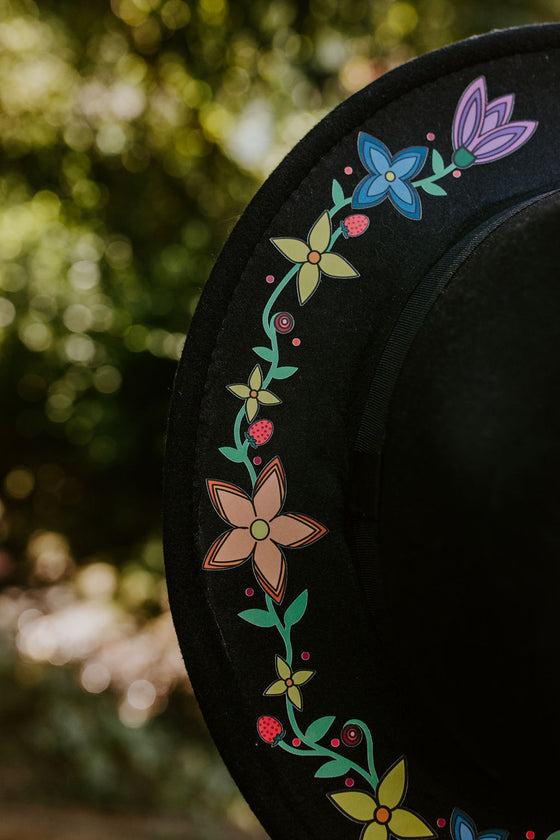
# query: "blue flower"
{"points": [[464, 828], [389, 176]]}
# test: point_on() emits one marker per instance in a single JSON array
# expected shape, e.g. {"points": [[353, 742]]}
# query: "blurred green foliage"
{"points": [[133, 134]]}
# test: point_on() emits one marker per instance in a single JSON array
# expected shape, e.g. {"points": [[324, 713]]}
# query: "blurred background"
{"points": [[133, 134]]}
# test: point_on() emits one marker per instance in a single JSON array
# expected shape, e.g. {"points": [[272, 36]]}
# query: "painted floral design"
{"points": [[389, 176], [314, 257], [482, 131], [382, 814], [259, 529], [253, 394], [288, 682]]}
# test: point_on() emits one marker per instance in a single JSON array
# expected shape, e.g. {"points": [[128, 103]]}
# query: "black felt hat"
{"points": [[363, 466]]}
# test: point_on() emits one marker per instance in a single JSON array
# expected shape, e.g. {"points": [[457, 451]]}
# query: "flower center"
{"points": [[382, 815], [254, 393], [313, 257], [390, 176], [260, 529], [289, 682]]}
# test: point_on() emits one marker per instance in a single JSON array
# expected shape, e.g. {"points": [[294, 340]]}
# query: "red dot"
{"points": [[349, 782], [530, 835], [348, 170], [456, 173], [270, 278], [249, 592], [296, 342], [257, 460], [335, 743], [305, 655], [441, 823], [430, 136], [296, 742]]}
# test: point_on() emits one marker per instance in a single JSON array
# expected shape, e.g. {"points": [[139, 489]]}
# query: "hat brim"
{"points": [[234, 659]]}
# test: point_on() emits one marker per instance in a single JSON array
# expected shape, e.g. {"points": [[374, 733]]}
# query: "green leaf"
{"points": [[316, 730], [437, 162], [336, 767], [296, 610], [260, 618], [284, 372], [433, 189], [337, 193], [264, 352], [232, 454]]}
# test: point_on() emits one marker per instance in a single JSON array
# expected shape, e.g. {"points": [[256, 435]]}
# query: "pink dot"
{"points": [[349, 782], [249, 592], [348, 170], [257, 460], [296, 742], [441, 823], [305, 655], [530, 835], [430, 136], [456, 173], [270, 278], [335, 743], [296, 342]]}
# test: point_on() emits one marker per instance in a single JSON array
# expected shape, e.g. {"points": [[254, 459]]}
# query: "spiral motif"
{"points": [[284, 322], [351, 735]]}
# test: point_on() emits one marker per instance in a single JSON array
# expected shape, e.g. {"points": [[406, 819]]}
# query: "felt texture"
{"points": [[472, 465], [343, 330]]}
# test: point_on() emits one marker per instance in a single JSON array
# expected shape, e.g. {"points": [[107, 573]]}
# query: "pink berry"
{"points": [[351, 735], [284, 322], [270, 730], [259, 433], [354, 225]]}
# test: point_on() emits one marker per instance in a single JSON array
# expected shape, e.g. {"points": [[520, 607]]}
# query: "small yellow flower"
{"points": [[253, 394], [314, 257], [382, 816], [289, 682]]}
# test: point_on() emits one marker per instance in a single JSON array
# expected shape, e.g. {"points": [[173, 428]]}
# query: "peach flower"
{"points": [[259, 528]]}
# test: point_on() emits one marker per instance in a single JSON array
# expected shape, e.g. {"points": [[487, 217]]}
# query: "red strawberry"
{"points": [[354, 225], [259, 433], [270, 729]]}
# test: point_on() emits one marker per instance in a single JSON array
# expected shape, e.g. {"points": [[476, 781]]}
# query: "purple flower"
{"points": [[481, 130], [389, 176]]}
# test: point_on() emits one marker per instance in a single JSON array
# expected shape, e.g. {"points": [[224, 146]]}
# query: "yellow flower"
{"points": [[314, 257], [253, 394], [289, 682], [382, 815]]}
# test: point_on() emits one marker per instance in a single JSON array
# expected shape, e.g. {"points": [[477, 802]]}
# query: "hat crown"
{"points": [[472, 465]]}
